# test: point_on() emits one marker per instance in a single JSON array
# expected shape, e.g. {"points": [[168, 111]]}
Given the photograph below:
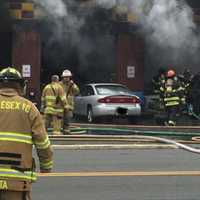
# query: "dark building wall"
{"points": [[5, 49], [130, 52], [26, 50]]}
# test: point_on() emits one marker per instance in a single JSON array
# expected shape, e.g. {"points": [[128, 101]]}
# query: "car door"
{"points": [[83, 100], [87, 98], [78, 109]]}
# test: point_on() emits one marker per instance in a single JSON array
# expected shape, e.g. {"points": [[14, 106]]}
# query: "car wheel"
{"points": [[90, 117]]}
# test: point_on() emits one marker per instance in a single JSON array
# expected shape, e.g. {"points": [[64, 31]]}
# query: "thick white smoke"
{"points": [[171, 23], [172, 38], [56, 8], [170, 33], [64, 23], [167, 23]]}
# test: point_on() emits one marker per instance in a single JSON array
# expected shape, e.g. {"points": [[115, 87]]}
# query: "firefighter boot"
{"points": [[171, 123]]}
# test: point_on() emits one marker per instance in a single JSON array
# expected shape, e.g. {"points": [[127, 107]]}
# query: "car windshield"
{"points": [[111, 89]]}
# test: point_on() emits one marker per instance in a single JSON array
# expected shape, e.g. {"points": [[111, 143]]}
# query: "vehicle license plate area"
{"points": [[121, 111]]}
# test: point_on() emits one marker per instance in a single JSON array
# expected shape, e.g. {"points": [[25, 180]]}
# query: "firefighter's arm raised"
{"points": [[41, 142], [74, 87]]}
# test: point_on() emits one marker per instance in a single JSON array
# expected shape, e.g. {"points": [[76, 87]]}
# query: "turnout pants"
{"points": [[14, 195], [53, 121], [66, 120], [172, 112]]}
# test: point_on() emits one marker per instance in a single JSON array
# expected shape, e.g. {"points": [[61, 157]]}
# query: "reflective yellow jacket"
{"points": [[21, 127], [70, 91], [53, 99]]}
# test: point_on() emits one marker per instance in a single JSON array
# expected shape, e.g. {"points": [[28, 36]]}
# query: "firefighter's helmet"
{"points": [[170, 73], [10, 74], [55, 78], [66, 73]]}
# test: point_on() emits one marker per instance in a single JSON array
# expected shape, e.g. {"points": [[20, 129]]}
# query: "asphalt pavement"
{"points": [[117, 167], [131, 174]]}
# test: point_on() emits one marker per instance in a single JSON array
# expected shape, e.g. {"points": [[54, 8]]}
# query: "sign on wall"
{"points": [[21, 10], [26, 71], [130, 71]]}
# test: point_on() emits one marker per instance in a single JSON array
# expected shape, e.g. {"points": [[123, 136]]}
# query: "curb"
{"points": [[113, 146]]}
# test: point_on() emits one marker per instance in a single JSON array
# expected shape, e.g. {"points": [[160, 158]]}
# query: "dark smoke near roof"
{"points": [[5, 20], [5, 35], [81, 40], [89, 54]]}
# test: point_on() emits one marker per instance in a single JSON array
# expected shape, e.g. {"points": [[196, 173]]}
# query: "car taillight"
{"points": [[129, 100], [104, 100]]}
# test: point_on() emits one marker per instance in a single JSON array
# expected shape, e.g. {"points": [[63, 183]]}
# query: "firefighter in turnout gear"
{"points": [[71, 89], [185, 80], [158, 83], [195, 94], [53, 104], [173, 97], [21, 127]]}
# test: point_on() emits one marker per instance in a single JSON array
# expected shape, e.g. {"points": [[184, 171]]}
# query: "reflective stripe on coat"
{"points": [[21, 127]]}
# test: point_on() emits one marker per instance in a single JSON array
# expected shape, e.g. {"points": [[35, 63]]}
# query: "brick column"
{"points": [[130, 54], [26, 50]]}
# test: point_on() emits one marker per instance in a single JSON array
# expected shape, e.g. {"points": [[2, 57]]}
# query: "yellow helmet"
{"points": [[11, 74]]}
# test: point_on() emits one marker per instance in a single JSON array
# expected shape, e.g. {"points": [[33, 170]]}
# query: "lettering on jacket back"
{"points": [[3, 185], [14, 105]]}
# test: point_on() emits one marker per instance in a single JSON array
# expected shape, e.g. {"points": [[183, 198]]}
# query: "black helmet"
{"points": [[11, 74], [161, 71]]}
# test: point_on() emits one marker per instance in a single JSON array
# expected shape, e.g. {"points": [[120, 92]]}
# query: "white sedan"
{"points": [[106, 99]]}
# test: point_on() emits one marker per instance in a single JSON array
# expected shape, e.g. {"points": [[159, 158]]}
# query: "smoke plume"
{"points": [[170, 30], [172, 38], [56, 9], [76, 37]]}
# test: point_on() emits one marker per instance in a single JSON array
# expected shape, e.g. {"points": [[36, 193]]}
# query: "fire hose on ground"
{"points": [[148, 135], [195, 115], [131, 131]]}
